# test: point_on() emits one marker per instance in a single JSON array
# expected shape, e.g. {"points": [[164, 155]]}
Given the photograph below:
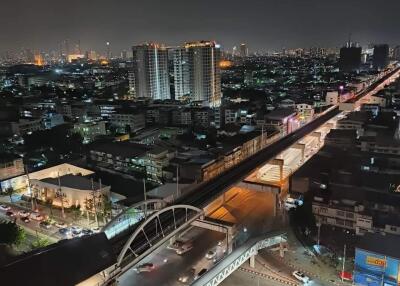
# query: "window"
{"points": [[340, 213], [393, 228]]}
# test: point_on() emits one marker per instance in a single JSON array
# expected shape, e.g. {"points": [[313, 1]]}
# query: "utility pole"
{"points": [[344, 261], [29, 187], [145, 198], [94, 204], [61, 195], [177, 181], [319, 232]]}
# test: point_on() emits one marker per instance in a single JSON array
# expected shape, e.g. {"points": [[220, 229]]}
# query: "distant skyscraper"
{"points": [[151, 71], [380, 58], [124, 54], [244, 51], [30, 56], [396, 53], [108, 52], [204, 70], [350, 58], [181, 73]]}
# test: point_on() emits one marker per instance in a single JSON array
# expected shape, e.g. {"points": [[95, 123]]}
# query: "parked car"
{"points": [[5, 207], [146, 267], [211, 254], [76, 231], [64, 231], [25, 219], [201, 273], [24, 213], [10, 214], [86, 231], [36, 216], [60, 224], [45, 224], [301, 276]]}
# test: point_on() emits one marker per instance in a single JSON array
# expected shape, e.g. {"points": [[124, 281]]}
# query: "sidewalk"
{"points": [[302, 259]]}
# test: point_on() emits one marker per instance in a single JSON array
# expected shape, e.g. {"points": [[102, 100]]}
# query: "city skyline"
{"points": [[263, 25]]}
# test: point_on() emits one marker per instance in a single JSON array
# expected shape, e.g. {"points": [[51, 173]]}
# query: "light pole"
{"points": [[319, 232], [343, 260]]}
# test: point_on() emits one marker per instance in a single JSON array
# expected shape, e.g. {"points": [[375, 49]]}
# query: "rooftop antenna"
{"points": [[349, 43]]}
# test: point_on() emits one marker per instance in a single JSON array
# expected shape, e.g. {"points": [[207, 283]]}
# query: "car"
{"points": [[45, 224], [301, 276], [10, 213], [201, 273], [146, 267], [76, 231], [36, 216], [86, 231], [184, 248], [24, 213], [60, 224], [25, 219], [64, 231], [187, 276], [175, 245], [211, 254], [5, 207]]}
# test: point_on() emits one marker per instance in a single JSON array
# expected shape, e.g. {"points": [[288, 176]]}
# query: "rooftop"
{"points": [[73, 182]]}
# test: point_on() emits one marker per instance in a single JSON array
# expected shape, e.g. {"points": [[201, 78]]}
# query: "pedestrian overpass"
{"points": [[240, 255]]}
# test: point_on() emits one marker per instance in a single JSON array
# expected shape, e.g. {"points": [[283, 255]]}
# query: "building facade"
{"points": [[150, 63]]}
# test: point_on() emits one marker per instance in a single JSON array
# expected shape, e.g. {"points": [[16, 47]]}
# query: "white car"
{"points": [[211, 254], [5, 208], [60, 224], [24, 213], [301, 276]]}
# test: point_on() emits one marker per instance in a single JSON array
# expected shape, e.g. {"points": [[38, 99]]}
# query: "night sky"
{"points": [[263, 24]]}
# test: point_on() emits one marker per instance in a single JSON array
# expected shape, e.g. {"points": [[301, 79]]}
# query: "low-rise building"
{"points": [[128, 120], [10, 166], [90, 130]]}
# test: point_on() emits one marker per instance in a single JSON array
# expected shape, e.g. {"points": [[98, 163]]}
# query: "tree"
{"points": [[76, 211], [10, 191], [49, 204], [11, 233]]}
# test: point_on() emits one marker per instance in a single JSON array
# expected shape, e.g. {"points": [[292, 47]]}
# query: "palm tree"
{"points": [[10, 191], [49, 204]]}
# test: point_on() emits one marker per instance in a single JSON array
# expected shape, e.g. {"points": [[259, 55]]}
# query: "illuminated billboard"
{"points": [[375, 269]]}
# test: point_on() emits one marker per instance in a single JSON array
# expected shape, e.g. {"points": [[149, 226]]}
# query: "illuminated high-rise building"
{"points": [[181, 73], [151, 77], [244, 51], [204, 72]]}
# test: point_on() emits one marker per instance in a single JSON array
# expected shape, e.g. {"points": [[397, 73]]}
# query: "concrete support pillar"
{"points": [[281, 250], [172, 239], [252, 261]]}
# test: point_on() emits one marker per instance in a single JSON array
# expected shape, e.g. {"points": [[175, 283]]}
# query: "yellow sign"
{"points": [[376, 261]]}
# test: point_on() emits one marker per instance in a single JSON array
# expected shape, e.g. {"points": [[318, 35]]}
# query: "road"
{"points": [[169, 266]]}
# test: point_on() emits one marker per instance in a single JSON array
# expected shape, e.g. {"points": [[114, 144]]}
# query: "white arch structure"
{"points": [[131, 216], [189, 215]]}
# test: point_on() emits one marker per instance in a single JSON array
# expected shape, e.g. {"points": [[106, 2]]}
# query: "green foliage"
{"points": [[40, 242], [9, 192], [11, 233]]}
